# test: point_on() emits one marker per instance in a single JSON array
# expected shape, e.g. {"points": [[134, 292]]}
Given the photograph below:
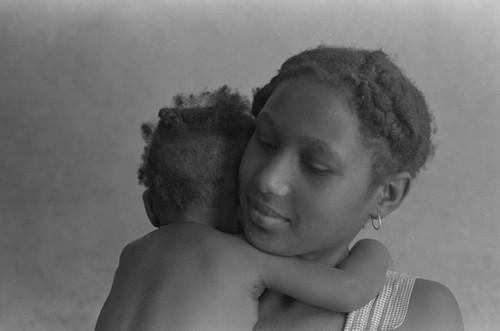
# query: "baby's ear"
{"points": [[150, 210]]}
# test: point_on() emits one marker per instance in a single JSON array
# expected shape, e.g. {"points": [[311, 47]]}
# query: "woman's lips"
{"points": [[265, 217]]}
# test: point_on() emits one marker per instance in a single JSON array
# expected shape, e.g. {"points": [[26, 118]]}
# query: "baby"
{"points": [[209, 277]]}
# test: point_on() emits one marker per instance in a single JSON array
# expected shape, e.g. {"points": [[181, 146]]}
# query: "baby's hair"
{"points": [[192, 154], [392, 113]]}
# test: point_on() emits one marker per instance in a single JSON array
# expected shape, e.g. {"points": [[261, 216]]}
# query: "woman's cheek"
{"points": [[246, 169]]}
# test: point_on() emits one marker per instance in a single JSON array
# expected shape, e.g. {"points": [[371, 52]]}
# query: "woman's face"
{"points": [[304, 175]]}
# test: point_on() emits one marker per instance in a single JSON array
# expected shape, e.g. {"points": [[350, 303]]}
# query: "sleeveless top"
{"points": [[386, 311]]}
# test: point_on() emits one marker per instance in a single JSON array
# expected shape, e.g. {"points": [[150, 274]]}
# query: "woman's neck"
{"points": [[331, 256]]}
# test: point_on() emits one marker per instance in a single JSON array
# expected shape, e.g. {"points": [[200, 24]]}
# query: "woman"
{"points": [[340, 135]]}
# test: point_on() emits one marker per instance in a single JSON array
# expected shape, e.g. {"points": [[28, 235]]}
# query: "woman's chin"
{"points": [[267, 240]]}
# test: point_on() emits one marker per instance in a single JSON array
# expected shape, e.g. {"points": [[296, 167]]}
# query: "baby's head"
{"points": [[192, 155]]}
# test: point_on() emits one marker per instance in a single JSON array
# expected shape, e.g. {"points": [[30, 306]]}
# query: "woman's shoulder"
{"points": [[432, 306], [408, 303]]}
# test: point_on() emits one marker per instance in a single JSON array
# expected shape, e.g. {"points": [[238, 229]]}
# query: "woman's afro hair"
{"points": [[392, 113]]}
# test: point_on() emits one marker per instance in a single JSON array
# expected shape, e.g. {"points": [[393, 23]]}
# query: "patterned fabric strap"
{"points": [[388, 310]]}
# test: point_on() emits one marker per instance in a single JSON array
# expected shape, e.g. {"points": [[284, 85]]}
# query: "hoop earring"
{"points": [[376, 222]]}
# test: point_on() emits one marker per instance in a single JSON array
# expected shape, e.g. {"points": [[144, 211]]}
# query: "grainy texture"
{"points": [[77, 78]]}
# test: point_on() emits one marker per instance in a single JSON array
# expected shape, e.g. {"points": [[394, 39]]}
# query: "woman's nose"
{"points": [[273, 178]]}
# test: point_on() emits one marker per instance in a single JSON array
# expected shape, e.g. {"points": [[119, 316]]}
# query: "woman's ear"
{"points": [[149, 206], [394, 192]]}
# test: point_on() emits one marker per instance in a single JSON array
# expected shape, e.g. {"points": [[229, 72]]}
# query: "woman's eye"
{"points": [[264, 144], [317, 169]]}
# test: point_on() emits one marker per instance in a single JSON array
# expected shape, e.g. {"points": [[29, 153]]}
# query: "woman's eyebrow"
{"points": [[266, 119], [316, 143], [323, 147]]}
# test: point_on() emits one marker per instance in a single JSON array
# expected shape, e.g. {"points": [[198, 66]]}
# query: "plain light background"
{"points": [[77, 78]]}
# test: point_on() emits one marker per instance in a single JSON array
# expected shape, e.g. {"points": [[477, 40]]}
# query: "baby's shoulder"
{"points": [[189, 240]]}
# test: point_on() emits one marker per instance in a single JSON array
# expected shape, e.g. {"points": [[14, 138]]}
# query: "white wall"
{"points": [[78, 77]]}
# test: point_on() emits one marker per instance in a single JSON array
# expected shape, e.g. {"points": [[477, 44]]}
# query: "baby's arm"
{"points": [[349, 286]]}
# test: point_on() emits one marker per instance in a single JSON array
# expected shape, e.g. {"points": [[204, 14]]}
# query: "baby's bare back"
{"points": [[203, 280]]}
